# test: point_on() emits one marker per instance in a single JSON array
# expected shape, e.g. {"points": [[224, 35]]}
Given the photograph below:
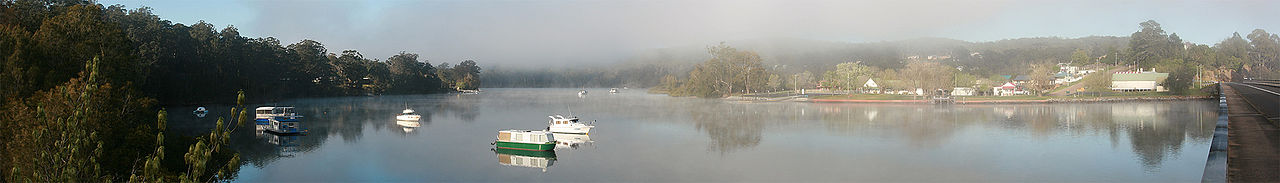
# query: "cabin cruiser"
{"points": [[408, 115], [613, 90], [278, 119], [570, 124]]}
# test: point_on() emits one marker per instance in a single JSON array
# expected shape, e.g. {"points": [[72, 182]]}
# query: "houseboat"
{"points": [[278, 119], [570, 124], [525, 140]]}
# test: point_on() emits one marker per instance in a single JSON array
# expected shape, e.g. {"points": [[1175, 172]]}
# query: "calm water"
{"points": [[646, 137]]}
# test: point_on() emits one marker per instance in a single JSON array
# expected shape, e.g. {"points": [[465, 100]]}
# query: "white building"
{"points": [[1138, 81]]}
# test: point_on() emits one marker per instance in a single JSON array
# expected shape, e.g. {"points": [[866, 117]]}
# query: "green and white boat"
{"points": [[525, 140]]}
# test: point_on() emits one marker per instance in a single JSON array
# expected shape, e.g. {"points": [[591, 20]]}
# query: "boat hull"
{"points": [[525, 146], [408, 117], [570, 129]]}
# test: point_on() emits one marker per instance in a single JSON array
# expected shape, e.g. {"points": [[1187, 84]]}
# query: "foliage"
{"points": [[1181, 75], [848, 75], [929, 76], [1098, 82], [728, 71], [1042, 77]]}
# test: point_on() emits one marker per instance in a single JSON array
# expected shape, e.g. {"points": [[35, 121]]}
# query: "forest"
{"points": [[83, 86]]}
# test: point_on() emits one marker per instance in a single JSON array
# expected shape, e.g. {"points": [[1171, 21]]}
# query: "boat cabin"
{"points": [[525, 136], [562, 120], [268, 112]]}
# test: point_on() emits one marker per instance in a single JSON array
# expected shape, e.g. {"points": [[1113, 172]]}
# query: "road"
{"points": [[1080, 84], [1253, 153]]}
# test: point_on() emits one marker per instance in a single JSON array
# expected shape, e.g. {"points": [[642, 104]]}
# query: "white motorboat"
{"points": [[582, 92], [570, 124], [408, 115], [200, 112], [613, 90]]}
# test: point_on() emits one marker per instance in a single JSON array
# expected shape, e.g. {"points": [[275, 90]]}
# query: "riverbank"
{"points": [[905, 99], [1023, 101]]}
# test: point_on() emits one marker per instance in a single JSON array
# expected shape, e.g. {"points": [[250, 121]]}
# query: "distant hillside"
{"points": [[793, 55]]}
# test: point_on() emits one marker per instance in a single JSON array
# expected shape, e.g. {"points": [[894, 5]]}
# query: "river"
{"points": [[649, 137]]}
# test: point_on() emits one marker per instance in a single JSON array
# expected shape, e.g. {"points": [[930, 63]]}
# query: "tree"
{"points": [[1151, 44], [728, 71], [1042, 77], [1098, 82], [928, 76], [803, 80], [1080, 57], [775, 82], [848, 75], [1181, 74]]}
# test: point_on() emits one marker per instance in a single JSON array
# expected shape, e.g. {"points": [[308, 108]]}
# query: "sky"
{"points": [[551, 32]]}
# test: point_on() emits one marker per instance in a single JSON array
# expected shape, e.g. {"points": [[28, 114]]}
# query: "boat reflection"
{"points": [[522, 158], [572, 141], [408, 126], [286, 145]]}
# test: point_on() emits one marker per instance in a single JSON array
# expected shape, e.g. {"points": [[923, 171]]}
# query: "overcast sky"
{"points": [[558, 32]]}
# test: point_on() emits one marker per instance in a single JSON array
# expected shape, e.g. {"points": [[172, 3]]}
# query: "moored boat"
{"points": [[278, 119], [200, 112], [525, 140], [408, 115], [613, 90], [582, 92], [569, 124]]}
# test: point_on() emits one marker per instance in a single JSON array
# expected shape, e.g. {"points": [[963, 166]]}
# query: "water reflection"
{"points": [[699, 138], [572, 141], [408, 126], [286, 145], [1154, 131], [522, 158]]}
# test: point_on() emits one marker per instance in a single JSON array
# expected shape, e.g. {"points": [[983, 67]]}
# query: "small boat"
{"points": [[582, 92], [613, 90], [408, 115], [278, 119], [200, 111], [476, 91], [569, 124], [525, 140]]}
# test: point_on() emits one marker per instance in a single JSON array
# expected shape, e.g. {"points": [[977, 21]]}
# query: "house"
{"points": [[1008, 89], [1021, 80], [1138, 81], [963, 91], [870, 86]]}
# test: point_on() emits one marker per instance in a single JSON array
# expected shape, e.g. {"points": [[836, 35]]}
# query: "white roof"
{"points": [[272, 107], [871, 83]]}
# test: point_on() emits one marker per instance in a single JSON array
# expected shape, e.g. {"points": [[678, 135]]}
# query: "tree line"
{"points": [[958, 63], [81, 84]]}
